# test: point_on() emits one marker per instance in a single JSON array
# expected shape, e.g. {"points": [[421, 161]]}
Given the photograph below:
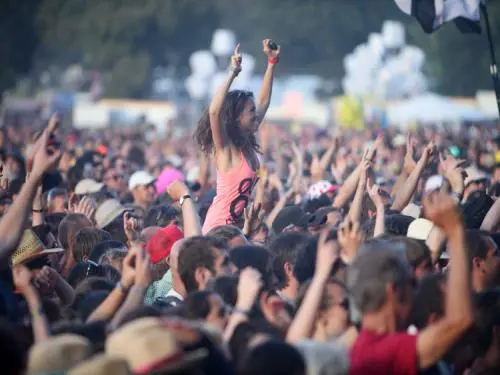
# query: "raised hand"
{"points": [[249, 285], [236, 60], [128, 269], [142, 268], [371, 152], [442, 210], [374, 194], [46, 156], [131, 227], [254, 217], [86, 206], [409, 163], [272, 54], [326, 255], [176, 190], [350, 237]]}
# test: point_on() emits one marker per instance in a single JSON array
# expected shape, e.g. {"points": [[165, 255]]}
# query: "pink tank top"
{"points": [[234, 188]]}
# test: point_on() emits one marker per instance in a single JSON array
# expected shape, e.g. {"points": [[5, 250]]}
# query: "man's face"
{"points": [[58, 203], [491, 262], [221, 263], [145, 194], [479, 185], [335, 318], [114, 180]]}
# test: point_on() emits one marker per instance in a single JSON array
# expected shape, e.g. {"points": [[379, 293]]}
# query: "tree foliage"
{"points": [[128, 38]]}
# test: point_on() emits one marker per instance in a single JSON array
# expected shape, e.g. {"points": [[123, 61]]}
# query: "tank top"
{"points": [[234, 188]]}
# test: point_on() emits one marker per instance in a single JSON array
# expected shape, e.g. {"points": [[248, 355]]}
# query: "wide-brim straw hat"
{"points": [[30, 247]]}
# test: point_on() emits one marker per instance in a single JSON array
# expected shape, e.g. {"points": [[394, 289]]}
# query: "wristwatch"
{"points": [[183, 198]]}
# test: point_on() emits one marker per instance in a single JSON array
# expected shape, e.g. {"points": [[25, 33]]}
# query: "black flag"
{"points": [[432, 14]]}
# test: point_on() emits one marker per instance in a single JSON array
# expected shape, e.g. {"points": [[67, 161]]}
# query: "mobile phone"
{"points": [[272, 45]]}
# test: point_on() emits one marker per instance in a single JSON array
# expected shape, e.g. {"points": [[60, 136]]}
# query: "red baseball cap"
{"points": [[160, 245]]}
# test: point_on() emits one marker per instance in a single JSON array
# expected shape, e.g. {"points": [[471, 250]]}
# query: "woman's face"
{"points": [[248, 118]]}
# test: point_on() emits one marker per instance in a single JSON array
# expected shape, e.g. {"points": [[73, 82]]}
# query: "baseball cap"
{"points": [[107, 212], [420, 229], [140, 178], [160, 245], [320, 188], [88, 186], [295, 215], [474, 174], [167, 177], [412, 210]]}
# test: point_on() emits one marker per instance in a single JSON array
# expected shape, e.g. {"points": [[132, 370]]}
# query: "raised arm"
{"points": [[267, 84], [12, 223], [214, 110], [190, 219], [438, 338], [403, 196], [22, 281], [302, 326], [374, 193]]}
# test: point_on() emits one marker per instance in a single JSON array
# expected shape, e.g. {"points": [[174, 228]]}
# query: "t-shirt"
{"points": [[384, 354]]}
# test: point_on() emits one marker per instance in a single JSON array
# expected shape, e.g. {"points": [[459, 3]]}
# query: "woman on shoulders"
{"points": [[227, 130]]}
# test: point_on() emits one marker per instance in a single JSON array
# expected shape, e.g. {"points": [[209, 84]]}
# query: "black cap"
{"points": [[295, 215]]}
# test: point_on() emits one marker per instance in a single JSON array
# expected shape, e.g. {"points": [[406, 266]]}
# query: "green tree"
{"points": [[126, 38], [18, 40]]}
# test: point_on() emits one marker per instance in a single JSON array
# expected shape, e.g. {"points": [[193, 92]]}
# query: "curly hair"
{"points": [[233, 106]]}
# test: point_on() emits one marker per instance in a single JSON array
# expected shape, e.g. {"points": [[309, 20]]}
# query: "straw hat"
{"points": [[148, 346], [30, 247], [101, 365], [58, 354]]}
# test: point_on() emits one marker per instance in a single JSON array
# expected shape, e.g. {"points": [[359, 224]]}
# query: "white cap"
{"points": [[474, 174], [108, 211], [88, 186], [412, 210], [140, 178], [420, 229]]}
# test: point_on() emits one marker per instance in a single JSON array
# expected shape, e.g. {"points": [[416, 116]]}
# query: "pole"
{"points": [[493, 65]]}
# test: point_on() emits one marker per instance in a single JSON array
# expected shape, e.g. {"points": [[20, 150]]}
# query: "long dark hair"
{"points": [[233, 106]]}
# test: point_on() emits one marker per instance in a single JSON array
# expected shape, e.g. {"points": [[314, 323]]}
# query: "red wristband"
{"points": [[273, 60]]}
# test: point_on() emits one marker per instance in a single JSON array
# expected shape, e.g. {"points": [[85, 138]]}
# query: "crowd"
{"points": [[249, 249]]}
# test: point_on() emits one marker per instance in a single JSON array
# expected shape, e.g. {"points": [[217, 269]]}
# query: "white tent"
{"points": [[432, 108]]}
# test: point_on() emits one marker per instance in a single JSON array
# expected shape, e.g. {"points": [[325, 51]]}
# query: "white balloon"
{"points": [[413, 57], [242, 82], [376, 44], [223, 42], [247, 64], [217, 80], [349, 63], [393, 34], [196, 86], [202, 63]]}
